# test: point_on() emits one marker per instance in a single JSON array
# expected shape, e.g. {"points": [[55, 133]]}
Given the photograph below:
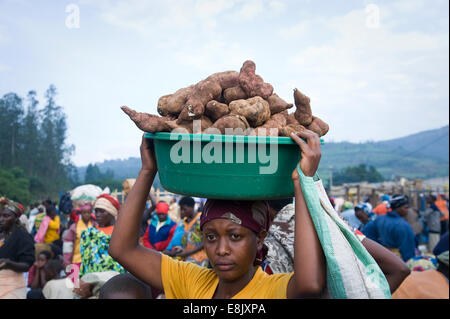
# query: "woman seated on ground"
{"points": [[233, 240], [16, 251]]}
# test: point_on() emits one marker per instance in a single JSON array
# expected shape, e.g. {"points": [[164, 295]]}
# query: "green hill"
{"points": [[418, 156]]}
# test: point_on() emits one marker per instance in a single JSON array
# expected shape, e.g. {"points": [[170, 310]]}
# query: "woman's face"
{"points": [[103, 218], [231, 248], [41, 260], [7, 219], [86, 216]]}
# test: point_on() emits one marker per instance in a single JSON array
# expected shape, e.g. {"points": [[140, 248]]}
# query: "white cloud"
{"points": [[371, 72]]}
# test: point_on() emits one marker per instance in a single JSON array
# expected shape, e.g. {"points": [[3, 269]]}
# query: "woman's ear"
{"points": [[260, 239]]}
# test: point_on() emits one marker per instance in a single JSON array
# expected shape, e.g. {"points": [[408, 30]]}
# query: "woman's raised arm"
{"points": [[124, 246], [309, 278]]}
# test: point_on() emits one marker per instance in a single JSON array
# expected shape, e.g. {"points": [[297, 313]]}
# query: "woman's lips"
{"points": [[224, 267]]}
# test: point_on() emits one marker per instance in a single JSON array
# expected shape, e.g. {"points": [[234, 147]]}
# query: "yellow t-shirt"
{"points": [[52, 233], [185, 280]]}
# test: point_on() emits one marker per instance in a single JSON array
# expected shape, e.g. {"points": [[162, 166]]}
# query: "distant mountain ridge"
{"points": [[418, 156]]}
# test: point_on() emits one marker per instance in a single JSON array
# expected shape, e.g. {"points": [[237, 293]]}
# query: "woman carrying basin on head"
{"points": [[233, 240]]}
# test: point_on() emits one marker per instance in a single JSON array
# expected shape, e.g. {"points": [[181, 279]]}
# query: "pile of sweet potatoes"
{"points": [[230, 102]]}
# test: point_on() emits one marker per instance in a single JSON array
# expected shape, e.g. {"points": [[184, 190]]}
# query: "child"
{"points": [[233, 240], [125, 286]]}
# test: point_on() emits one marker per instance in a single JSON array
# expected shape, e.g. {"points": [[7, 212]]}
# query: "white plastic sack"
{"points": [[87, 193]]}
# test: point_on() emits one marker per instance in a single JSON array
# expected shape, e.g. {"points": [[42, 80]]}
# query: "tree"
{"points": [[34, 156], [14, 185], [30, 138], [355, 174], [11, 111]]}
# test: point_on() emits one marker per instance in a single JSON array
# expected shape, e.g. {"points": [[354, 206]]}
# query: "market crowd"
{"points": [[46, 253]]}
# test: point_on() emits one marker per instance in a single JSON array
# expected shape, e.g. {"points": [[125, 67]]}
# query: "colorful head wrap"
{"points": [[108, 203], [254, 215], [364, 208], [16, 208]]}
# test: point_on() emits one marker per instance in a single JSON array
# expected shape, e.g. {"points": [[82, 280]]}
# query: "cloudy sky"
{"points": [[374, 70]]}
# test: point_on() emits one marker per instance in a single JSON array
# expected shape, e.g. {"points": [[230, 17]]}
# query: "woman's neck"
{"points": [[106, 225], [227, 289]]}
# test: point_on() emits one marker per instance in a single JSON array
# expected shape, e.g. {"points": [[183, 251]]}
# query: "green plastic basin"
{"points": [[225, 166]]}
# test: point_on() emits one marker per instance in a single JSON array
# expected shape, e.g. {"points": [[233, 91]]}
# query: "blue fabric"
{"points": [[392, 231], [176, 239], [442, 245], [163, 233], [349, 216]]}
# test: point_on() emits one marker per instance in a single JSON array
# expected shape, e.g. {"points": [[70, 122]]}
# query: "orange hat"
{"points": [[162, 208]]}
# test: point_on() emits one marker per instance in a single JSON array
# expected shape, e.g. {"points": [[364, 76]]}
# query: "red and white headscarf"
{"points": [[108, 203]]}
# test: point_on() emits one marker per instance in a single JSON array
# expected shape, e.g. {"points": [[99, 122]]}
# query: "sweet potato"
{"points": [[291, 128], [236, 124], [233, 94], [271, 127], [303, 113], [318, 126], [173, 103], [215, 110], [290, 119], [253, 84], [277, 104], [193, 126], [256, 110], [207, 90], [148, 122]]}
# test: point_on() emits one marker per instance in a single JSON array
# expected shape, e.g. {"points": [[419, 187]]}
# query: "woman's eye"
{"points": [[210, 237], [235, 236]]}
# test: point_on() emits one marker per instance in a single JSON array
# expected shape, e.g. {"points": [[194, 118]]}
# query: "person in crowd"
{"points": [[23, 218], [174, 211], [47, 271], [280, 237], [233, 238], [432, 216], [87, 287], [364, 214], [72, 238], [35, 272], [49, 229], [442, 245], [427, 284], [442, 205], [148, 214], [16, 252], [383, 207], [34, 210], [280, 243], [349, 215], [392, 230], [187, 242], [94, 241], [125, 286], [416, 224], [38, 220], [346, 205], [161, 229]]}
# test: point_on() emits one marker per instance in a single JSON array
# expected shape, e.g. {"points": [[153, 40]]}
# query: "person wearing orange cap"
{"points": [[160, 231]]}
